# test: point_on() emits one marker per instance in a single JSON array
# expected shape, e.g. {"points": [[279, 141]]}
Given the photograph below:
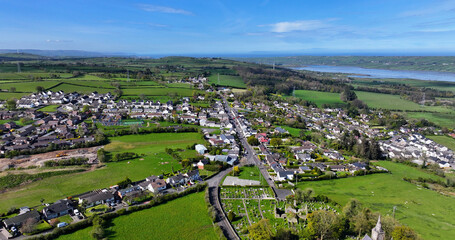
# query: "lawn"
{"points": [[426, 211], [252, 173], [319, 98], [49, 108], [444, 140], [227, 80], [155, 162], [295, 132]]}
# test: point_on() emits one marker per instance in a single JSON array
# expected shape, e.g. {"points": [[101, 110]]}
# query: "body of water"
{"points": [[382, 73]]}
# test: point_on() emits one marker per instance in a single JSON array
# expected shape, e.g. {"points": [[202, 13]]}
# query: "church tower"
{"points": [[377, 233]]}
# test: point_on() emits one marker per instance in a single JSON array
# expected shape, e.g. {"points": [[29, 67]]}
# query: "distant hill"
{"points": [[20, 56], [61, 53]]}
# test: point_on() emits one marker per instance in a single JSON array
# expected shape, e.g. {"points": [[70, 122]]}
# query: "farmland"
{"points": [[194, 224], [444, 140], [227, 80], [154, 162], [440, 115], [394, 102], [319, 98], [426, 211]]}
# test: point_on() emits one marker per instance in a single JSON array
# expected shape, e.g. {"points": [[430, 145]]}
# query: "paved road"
{"points": [[252, 158], [214, 194]]}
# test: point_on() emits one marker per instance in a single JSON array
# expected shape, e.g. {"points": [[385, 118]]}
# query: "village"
{"points": [[233, 137]]}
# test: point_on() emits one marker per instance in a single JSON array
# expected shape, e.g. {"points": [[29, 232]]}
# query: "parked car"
{"points": [[62, 224]]}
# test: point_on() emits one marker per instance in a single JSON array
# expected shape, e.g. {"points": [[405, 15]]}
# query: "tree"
{"points": [[323, 223], [276, 142], [85, 108], [352, 208], [231, 216], [97, 232], [40, 88], [260, 230], [253, 141], [12, 89], [348, 95], [404, 233], [23, 120], [364, 221], [11, 104], [101, 154], [185, 163], [29, 225], [124, 183], [236, 171], [285, 234], [54, 222], [134, 129]]}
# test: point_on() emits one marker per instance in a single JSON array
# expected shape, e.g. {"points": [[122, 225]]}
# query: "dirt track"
{"points": [[39, 159]]}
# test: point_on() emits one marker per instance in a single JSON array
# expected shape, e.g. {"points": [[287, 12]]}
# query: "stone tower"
{"points": [[377, 233]]}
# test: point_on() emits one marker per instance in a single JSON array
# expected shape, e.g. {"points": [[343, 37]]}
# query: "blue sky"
{"points": [[231, 26]]}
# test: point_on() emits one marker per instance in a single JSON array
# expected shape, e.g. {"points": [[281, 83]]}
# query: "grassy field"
{"points": [[442, 119], [426, 211], [227, 80], [182, 222], [171, 220], [319, 97], [28, 86], [444, 140], [295, 132], [185, 92], [155, 162], [49, 108], [439, 85], [252, 173], [394, 102], [440, 115]]}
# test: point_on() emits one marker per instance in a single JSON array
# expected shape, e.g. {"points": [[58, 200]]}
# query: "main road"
{"points": [[252, 157], [215, 201]]}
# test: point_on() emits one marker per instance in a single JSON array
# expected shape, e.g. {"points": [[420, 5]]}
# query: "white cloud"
{"points": [[164, 9], [303, 25], [58, 41]]}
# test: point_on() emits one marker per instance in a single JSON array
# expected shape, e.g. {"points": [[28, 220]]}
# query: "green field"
{"points": [[49, 108], [319, 97], [185, 218], [172, 220], [28, 86], [155, 162], [440, 115], [252, 173], [426, 211], [295, 132], [444, 140], [394, 102], [442, 119], [157, 91], [382, 82], [227, 80]]}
